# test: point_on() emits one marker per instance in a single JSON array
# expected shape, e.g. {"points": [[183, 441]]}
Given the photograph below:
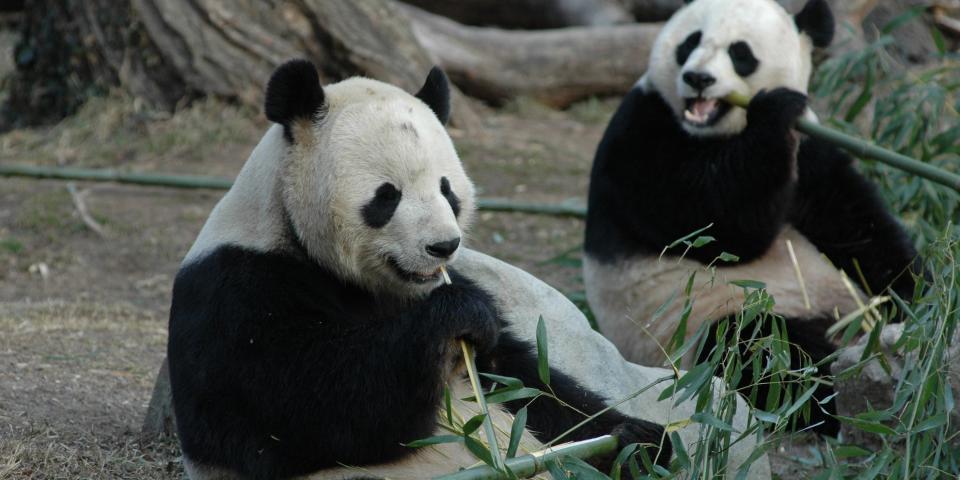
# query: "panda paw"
{"points": [[780, 107], [462, 311], [648, 436]]}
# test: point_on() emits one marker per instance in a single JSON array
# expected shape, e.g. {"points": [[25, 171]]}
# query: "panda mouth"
{"points": [[704, 112], [414, 277]]}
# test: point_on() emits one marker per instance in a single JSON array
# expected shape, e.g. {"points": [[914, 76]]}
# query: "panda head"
{"points": [[711, 48], [372, 185]]}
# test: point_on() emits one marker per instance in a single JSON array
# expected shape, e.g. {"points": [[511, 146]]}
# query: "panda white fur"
{"points": [[676, 158], [310, 332]]}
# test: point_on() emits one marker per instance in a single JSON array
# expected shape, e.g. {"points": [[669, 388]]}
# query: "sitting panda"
{"points": [[310, 330], [677, 158]]}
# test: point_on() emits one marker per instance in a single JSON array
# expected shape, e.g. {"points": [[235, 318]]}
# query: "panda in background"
{"points": [[310, 330], [676, 158]]}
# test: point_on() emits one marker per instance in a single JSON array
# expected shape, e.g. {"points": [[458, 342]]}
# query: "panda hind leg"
{"points": [[548, 418], [808, 342]]}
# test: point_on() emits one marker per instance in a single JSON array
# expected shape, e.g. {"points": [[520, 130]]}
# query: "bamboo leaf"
{"points": [[447, 405], [516, 432], [543, 363], [508, 382], [478, 450], [622, 458], [473, 424], [511, 395], [434, 441], [708, 419]]}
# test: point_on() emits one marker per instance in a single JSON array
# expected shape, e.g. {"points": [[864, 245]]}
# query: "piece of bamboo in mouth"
{"points": [[469, 361]]}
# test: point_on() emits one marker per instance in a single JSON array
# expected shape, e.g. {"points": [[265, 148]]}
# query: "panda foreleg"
{"points": [[842, 213], [808, 340], [548, 418]]}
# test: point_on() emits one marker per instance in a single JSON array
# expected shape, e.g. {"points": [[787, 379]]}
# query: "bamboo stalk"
{"points": [[528, 465], [109, 175], [865, 149], [219, 183], [468, 360]]}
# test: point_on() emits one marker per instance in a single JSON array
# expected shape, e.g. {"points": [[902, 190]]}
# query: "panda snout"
{"points": [[699, 80], [443, 249]]}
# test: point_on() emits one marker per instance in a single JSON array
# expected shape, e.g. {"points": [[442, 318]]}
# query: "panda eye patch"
{"points": [[451, 197], [378, 211], [744, 63], [687, 47]]}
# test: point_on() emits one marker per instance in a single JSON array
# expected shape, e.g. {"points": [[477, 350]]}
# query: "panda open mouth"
{"points": [[415, 277], [704, 112]]}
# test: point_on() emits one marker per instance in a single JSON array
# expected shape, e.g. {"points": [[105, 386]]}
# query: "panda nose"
{"points": [[443, 249], [698, 80]]}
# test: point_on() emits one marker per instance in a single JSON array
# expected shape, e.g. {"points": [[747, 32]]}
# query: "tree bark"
{"points": [[168, 51], [230, 48], [556, 67], [70, 50]]}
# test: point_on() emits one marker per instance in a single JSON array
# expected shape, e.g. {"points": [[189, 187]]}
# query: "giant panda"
{"points": [[676, 158], [311, 333]]}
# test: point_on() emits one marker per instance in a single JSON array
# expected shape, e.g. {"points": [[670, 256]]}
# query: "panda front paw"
{"points": [[780, 107], [649, 436], [463, 311]]}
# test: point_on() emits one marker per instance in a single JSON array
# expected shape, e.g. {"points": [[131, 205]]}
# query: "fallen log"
{"points": [[529, 14], [555, 67]]}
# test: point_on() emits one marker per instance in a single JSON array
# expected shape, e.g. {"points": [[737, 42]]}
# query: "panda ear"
{"points": [[293, 93], [436, 94], [816, 20]]}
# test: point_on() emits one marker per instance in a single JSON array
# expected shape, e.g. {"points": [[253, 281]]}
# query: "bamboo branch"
{"points": [[528, 465], [865, 149], [469, 361], [218, 183], [81, 206]]}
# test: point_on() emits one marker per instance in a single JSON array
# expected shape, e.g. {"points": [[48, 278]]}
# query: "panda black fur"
{"points": [[303, 342], [676, 158]]}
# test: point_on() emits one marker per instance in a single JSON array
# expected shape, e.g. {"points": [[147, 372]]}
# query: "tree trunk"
{"points": [[556, 67], [167, 51], [528, 14], [70, 50]]}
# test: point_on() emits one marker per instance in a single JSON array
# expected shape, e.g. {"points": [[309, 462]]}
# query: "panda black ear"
{"points": [[816, 20], [436, 94], [293, 93]]}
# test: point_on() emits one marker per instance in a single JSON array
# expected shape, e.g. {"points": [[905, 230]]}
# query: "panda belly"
{"points": [[422, 463], [627, 295]]}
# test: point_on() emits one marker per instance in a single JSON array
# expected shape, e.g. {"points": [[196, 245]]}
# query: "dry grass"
{"points": [[76, 378], [118, 130]]}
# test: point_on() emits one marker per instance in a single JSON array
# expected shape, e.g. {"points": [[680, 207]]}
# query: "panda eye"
{"points": [[378, 211], [744, 63], [687, 47], [451, 197]]}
